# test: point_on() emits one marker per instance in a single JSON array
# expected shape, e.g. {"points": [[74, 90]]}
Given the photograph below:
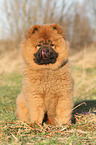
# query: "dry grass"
{"points": [[83, 71], [21, 132], [83, 132], [11, 59]]}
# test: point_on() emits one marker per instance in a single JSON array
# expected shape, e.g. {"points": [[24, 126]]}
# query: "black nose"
{"points": [[47, 51]]}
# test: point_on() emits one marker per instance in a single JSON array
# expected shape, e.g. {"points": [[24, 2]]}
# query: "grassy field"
{"points": [[82, 132]]}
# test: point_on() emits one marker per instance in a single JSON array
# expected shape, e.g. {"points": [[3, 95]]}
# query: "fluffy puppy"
{"points": [[47, 84]]}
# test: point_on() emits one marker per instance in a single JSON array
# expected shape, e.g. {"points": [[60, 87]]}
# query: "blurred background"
{"points": [[78, 20]]}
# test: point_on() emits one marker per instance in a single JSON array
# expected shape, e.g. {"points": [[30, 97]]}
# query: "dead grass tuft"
{"points": [[85, 128]]}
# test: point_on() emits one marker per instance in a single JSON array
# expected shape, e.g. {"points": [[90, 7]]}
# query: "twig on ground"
{"points": [[14, 136]]}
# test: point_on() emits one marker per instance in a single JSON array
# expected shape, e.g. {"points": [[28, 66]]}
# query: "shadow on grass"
{"points": [[88, 107]]}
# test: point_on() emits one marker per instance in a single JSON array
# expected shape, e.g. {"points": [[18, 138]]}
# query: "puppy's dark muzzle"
{"points": [[45, 55]]}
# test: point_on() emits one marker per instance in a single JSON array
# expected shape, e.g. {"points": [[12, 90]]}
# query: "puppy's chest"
{"points": [[47, 83]]}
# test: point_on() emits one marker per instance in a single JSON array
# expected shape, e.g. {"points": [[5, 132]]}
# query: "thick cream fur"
{"points": [[46, 88]]}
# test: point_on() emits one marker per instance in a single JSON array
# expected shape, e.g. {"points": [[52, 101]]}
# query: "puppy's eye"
{"points": [[38, 46], [51, 44]]}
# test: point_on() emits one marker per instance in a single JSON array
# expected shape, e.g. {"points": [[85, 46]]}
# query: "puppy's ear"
{"points": [[58, 29], [35, 28], [32, 30]]}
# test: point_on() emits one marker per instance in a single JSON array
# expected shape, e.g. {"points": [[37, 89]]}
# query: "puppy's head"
{"points": [[45, 47]]}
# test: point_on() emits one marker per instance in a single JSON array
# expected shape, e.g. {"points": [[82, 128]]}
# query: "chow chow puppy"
{"points": [[47, 84]]}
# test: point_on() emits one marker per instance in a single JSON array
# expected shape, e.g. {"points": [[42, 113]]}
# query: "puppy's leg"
{"points": [[36, 109], [51, 109], [51, 116], [21, 110], [64, 110]]}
